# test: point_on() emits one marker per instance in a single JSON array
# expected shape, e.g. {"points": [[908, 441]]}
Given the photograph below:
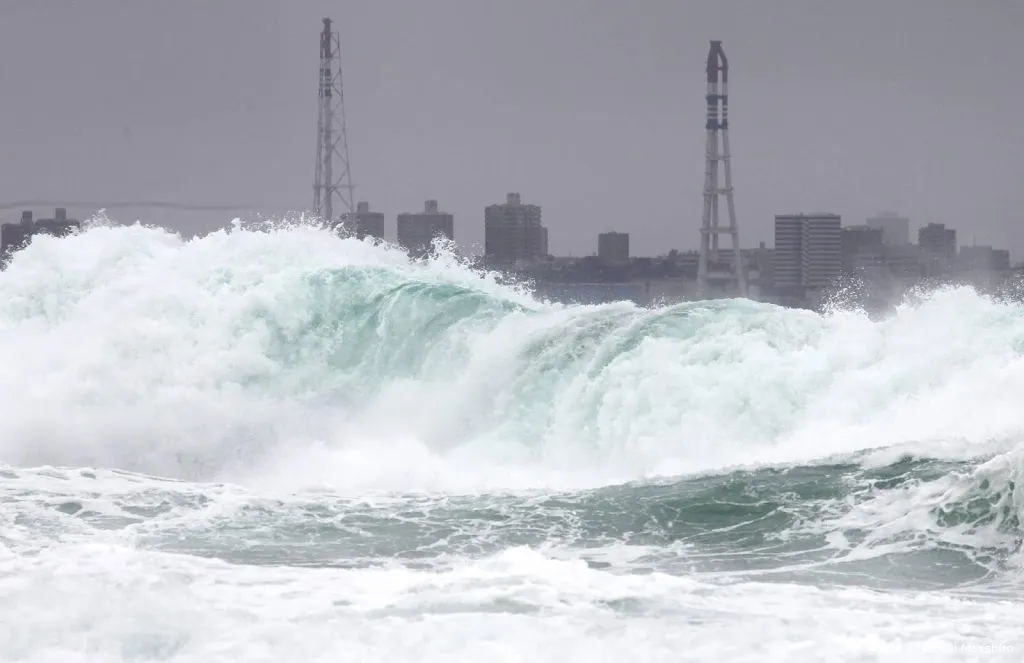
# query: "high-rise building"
{"points": [[787, 267], [613, 248], [904, 261], [808, 250], [822, 250], [363, 223], [937, 240], [895, 229], [984, 258], [513, 232], [764, 261], [416, 231], [862, 246]]}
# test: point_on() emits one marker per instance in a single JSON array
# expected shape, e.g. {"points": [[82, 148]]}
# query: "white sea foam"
{"points": [[255, 367], [233, 354], [107, 603]]}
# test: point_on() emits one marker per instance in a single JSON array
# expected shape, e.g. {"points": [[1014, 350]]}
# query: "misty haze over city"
{"points": [[593, 110]]}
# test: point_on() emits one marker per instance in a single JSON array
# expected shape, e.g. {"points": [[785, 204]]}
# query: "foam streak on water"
{"points": [[277, 445]]}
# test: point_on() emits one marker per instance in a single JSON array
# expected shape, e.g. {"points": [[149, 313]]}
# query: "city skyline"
{"points": [[603, 138], [365, 222]]}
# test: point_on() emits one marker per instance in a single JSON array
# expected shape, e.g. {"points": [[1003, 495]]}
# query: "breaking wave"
{"points": [[275, 442], [291, 354]]}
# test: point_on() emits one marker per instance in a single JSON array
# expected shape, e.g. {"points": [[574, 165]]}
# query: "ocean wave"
{"points": [[287, 354]]}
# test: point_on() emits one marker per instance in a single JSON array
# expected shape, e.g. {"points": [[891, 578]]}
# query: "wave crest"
{"points": [[256, 351]]}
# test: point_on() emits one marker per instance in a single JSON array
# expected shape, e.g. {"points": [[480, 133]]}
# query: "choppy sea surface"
{"points": [[278, 445]]}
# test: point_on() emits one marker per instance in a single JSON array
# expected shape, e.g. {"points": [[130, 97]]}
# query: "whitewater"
{"points": [[274, 444]]}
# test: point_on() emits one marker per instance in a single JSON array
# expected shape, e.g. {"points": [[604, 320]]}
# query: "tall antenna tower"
{"points": [[718, 151], [332, 139]]}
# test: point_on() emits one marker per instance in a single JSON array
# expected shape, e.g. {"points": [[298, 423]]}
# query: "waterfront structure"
{"points": [[58, 226], [808, 251], [895, 228], [417, 231], [938, 240], [984, 258], [613, 248], [787, 268], [905, 262], [513, 232], [332, 182], [362, 223], [862, 247], [710, 268], [16, 236]]}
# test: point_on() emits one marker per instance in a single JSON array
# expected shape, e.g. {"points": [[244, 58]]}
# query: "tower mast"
{"points": [[718, 151], [332, 138]]}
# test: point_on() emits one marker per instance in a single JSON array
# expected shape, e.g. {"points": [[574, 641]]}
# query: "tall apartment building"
{"points": [[513, 232], [904, 262], [416, 231], [613, 248], [862, 247], [787, 266], [363, 223], [937, 240], [895, 229], [808, 251]]}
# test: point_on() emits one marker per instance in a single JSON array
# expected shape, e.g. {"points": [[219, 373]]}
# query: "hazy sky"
{"points": [[593, 109]]}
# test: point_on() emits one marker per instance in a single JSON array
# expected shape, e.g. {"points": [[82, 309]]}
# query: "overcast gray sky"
{"points": [[593, 109]]}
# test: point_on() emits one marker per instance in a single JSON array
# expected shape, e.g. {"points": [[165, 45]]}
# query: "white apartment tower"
{"points": [[808, 250]]}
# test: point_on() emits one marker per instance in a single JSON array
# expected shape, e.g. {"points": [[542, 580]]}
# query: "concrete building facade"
{"points": [[984, 258], [808, 251], [513, 232], [416, 231], [787, 268], [938, 240], [895, 228], [363, 223], [862, 247], [16, 236], [822, 250], [613, 248]]}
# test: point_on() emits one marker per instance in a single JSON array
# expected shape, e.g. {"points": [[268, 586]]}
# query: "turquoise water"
{"points": [[276, 444]]}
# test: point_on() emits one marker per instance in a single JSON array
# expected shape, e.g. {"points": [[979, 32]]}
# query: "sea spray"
{"points": [[131, 347], [272, 443]]}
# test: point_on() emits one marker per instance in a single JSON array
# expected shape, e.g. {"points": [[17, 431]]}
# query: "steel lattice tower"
{"points": [[718, 152], [332, 139]]}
